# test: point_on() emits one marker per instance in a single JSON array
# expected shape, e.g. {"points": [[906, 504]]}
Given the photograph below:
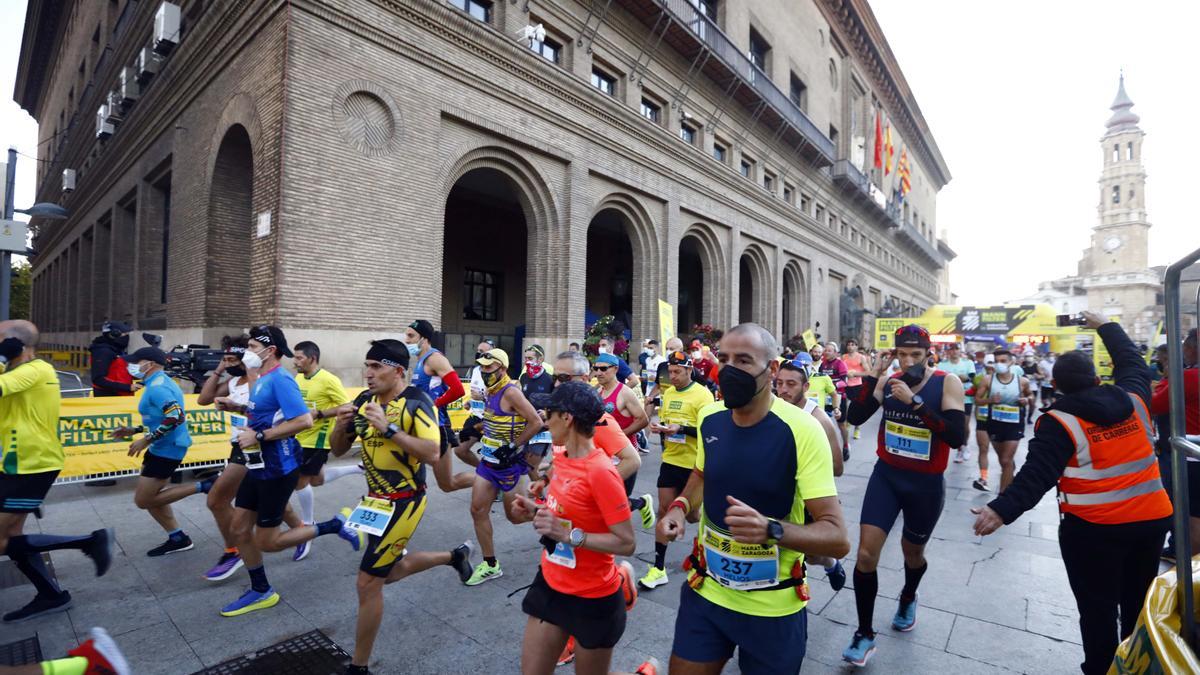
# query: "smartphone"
{"points": [[1063, 320]]}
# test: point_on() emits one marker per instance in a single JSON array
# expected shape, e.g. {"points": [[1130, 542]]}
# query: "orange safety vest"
{"points": [[1113, 476]]}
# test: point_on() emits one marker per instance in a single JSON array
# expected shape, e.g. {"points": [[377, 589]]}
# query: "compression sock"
{"points": [[490, 560], [72, 665], [660, 555], [258, 579], [912, 578], [177, 534], [636, 503], [866, 586], [333, 473], [456, 556], [37, 543], [305, 497], [34, 569], [331, 526]]}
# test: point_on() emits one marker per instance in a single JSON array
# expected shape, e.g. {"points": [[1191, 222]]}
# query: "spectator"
{"points": [[110, 372], [1160, 407]]}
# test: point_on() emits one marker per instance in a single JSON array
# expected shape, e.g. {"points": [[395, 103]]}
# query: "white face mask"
{"points": [[413, 349], [696, 355], [252, 359], [135, 371], [1002, 368], [647, 351], [605, 350]]}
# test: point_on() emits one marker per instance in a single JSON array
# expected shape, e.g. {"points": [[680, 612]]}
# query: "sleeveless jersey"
{"points": [[499, 425], [239, 393], [610, 407], [1006, 411], [431, 385], [905, 442]]}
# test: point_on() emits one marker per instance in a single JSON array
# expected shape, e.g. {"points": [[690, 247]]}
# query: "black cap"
{"points": [[389, 352], [271, 336], [679, 358], [912, 335], [423, 328], [577, 398], [115, 327], [148, 354]]}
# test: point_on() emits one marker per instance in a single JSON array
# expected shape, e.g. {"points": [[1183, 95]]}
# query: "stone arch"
{"points": [[702, 242], [230, 219], [754, 286], [638, 226], [795, 299]]}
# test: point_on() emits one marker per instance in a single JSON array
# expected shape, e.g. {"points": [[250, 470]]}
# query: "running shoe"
{"points": [[102, 654], [251, 601], [980, 484], [846, 454], [302, 551], [958, 456], [654, 578], [357, 539], [860, 650], [650, 667], [836, 575], [225, 567], [460, 560], [647, 511], [39, 606], [205, 485], [568, 652], [171, 545], [857, 433], [906, 616], [99, 549], [484, 572], [1167, 555], [627, 585]]}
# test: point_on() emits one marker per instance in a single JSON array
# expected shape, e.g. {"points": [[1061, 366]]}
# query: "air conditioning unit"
{"points": [[104, 128], [68, 180], [115, 115], [149, 62], [531, 34], [129, 87], [166, 28]]}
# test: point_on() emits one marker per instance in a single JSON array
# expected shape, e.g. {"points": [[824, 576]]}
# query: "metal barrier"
{"points": [[1181, 446], [71, 385]]}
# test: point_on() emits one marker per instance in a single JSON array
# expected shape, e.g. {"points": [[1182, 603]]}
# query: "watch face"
{"points": [[1112, 244]]}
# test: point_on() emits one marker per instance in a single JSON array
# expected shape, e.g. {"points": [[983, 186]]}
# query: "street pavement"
{"points": [[997, 604]]}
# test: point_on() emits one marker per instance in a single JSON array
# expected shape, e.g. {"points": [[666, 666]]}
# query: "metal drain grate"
{"points": [[22, 652], [11, 577], [308, 654]]}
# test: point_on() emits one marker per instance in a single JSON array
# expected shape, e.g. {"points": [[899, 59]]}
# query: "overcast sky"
{"points": [[1016, 94]]}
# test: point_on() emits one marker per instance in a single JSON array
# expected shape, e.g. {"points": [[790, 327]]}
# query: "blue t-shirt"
{"points": [[275, 397], [623, 370], [160, 399]]}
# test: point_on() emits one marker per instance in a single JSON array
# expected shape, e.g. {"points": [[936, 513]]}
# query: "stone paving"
{"points": [[998, 604]]}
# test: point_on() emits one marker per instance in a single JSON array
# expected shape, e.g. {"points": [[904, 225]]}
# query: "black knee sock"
{"points": [[912, 579], [660, 555], [34, 568], [37, 543], [490, 560], [636, 503], [866, 587], [258, 579]]}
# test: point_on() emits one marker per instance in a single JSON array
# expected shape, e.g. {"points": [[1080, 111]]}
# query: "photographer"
{"points": [[110, 376]]}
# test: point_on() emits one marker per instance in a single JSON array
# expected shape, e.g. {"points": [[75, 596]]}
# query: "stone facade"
{"points": [[341, 168]]}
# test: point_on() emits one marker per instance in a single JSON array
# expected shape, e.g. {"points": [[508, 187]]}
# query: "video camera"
{"points": [[188, 362]]}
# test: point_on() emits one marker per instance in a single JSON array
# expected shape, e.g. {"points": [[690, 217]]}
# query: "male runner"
{"points": [[433, 374], [1045, 369], [956, 365], [982, 411], [275, 413], [537, 379], [399, 431], [678, 414], [624, 373], [858, 365], [835, 368], [323, 393], [1006, 393], [619, 400], [509, 422], [29, 463], [922, 419], [472, 430]]}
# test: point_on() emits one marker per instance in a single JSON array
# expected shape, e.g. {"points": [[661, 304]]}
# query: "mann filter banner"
{"points": [[979, 323]]}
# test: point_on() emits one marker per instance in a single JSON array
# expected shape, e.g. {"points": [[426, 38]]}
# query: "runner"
{"points": [[619, 400], [167, 441], [650, 367], [537, 379], [433, 374], [1006, 393], [625, 374], [276, 412], [509, 423], [29, 410], [982, 439], [1045, 369], [836, 369], [922, 419], [579, 591], [472, 430], [821, 390], [791, 384], [760, 463], [323, 393], [955, 364], [858, 365], [678, 414], [398, 426]]}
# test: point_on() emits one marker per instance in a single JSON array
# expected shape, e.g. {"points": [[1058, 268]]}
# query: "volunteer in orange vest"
{"points": [[1095, 445]]}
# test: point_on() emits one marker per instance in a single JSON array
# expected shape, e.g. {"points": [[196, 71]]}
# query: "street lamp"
{"points": [[45, 210], [13, 234]]}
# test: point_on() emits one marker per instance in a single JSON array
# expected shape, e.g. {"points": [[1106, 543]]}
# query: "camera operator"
{"points": [[110, 374]]}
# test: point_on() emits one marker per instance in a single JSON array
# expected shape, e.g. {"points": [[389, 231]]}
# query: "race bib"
{"points": [[542, 437], [1006, 413], [477, 408], [906, 441], [563, 554], [739, 566], [489, 448], [236, 421], [677, 438], [254, 458], [981, 412], [371, 516], [815, 401]]}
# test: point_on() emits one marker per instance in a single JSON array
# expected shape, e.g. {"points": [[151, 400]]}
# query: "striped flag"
{"points": [[905, 173], [891, 150]]}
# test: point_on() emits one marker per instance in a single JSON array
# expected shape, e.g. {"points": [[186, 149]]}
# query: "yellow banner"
{"points": [[810, 338], [666, 323], [885, 331]]}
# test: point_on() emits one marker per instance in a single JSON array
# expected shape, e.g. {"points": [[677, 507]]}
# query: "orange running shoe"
{"points": [[650, 667], [568, 652], [627, 584]]}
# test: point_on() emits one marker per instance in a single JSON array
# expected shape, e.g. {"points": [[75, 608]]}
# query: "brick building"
{"points": [[342, 167]]}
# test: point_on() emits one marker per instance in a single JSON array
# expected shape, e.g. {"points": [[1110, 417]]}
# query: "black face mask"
{"points": [[236, 371], [913, 375], [1159, 366], [738, 387], [121, 341]]}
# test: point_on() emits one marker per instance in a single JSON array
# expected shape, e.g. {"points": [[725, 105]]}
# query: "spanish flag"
{"points": [[905, 173], [878, 142], [891, 150]]}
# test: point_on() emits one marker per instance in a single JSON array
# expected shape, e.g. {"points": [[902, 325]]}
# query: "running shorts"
{"points": [[672, 476], [892, 491], [506, 479], [448, 439], [967, 411], [312, 461], [384, 551], [1005, 431], [595, 623], [25, 492], [161, 468], [235, 455], [267, 497], [766, 645]]}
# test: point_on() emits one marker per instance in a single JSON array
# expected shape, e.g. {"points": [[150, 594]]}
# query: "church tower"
{"points": [[1116, 266]]}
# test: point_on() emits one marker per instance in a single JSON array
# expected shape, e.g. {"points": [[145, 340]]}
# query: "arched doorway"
{"points": [[755, 300], [484, 270], [746, 290], [691, 284], [610, 270], [230, 215], [795, 300]]}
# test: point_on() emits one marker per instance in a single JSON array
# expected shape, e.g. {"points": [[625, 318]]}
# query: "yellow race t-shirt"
{"points": [[29, 406], [682, 407], [389, 469], [821, 389], [322, 391]]}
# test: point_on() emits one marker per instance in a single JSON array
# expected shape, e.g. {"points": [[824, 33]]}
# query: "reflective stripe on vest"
{"points": [[1083, 447], [1094, 498]]}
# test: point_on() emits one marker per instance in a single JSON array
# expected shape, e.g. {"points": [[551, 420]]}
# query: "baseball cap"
{"points": [[576, 398], [148, 354], [493, 355], [423, 328], [389, 352], [912, 335], [607, 359], [271, 336], [115, 327]]}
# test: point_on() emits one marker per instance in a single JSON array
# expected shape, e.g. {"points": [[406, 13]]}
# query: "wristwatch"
{"points": [[576, 537], [917, 401], [392, 430], [261, 437], [774, 531]]}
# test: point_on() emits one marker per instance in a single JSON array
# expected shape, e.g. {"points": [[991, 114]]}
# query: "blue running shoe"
{"points": [[836, 575], [906, 616], [357, 539], [860, 650], [302, 551], [251, 601]]}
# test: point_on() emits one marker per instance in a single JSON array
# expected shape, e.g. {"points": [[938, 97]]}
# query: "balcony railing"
{"points": [[908, 232], [859, 187]]}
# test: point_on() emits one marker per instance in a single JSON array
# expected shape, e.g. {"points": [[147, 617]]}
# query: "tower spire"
{"points": [[1123, 117]]}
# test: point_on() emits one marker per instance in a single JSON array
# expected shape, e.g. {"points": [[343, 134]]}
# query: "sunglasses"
{"points": [[601, 369], [562, 377]]}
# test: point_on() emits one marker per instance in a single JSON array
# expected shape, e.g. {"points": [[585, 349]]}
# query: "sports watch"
{"points": [[392, 430], [576, 537], [774, 531], [917, 401], [261, 437]]}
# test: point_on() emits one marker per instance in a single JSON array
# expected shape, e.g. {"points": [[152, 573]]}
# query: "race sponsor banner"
{"points": [[666, 322]]}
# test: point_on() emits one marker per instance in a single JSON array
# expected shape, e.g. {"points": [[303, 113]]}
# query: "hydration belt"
{"points": [[797, 580]]}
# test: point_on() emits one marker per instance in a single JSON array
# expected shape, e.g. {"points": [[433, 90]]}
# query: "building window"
{"points": [[789, 193], [481, 295], [820, 214], [548, 48], [745, 168], [1116, 156], [798, 92], [651, 111], [687, 133], [1130, 194], [480, 9], [805, 202], [604, 82], [759, 49], [720, 153], [1129, 150], [768, 181], [707, 7], [833, 136], [1116, 194]]}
